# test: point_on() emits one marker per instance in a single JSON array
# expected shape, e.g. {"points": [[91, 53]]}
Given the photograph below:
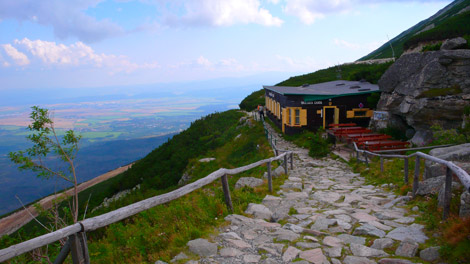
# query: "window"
{"points": [[297, 116]]}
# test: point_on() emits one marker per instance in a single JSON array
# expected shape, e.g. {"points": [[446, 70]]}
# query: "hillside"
{"points": [[350, 72], [438, 27], [220, 135]]}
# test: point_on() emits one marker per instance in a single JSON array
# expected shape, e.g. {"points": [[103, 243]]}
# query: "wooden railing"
{"points": [[450, 168], [76, 234]]}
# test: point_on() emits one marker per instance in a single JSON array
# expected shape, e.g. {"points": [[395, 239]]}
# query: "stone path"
{"points": [[323, 214]]}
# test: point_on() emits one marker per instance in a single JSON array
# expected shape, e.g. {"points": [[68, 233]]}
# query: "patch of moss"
{"points": [[453, 90]]}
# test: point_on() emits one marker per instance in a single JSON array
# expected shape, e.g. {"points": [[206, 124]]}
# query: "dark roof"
{"points": [[327, 89]]}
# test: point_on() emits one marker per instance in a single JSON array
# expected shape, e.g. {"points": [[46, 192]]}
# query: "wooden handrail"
{"points": [[127, 211], [451, 168]]}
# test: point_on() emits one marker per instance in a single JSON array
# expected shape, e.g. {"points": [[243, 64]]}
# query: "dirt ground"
{"points": [[13, 222]]}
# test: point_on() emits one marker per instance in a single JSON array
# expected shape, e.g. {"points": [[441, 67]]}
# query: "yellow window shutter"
{"points": [[349, 114], [370, 113], [284, 115], [303, 117]]}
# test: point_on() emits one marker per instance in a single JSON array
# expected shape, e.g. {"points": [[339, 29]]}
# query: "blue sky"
{"points": [[95, 43]]}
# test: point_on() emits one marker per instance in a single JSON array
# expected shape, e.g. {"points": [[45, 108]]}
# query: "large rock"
{"points": [[259, 211], [202, 247], [455, 43], [413, 232], [465, 204], [424, 89], [431, 185], [248, 181], [429, 254], [459, 153]]}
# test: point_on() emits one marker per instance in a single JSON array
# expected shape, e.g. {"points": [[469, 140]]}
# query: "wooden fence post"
{"points": [[64, 252], [79, 248], [406, 170], [357, 156], [416, 177], [270, 179], [365, 157], [291, 161], [228, 200], [381, 165], [447, 194], [285, 163]]}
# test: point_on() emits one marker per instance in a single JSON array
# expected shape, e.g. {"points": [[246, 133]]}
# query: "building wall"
{"points": [[292, 114]]}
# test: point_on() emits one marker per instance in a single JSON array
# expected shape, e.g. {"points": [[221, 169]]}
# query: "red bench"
{"points": [[383, 145]]}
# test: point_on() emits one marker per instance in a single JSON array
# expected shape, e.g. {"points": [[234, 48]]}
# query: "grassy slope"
{"points": [[398, 42], [163, 231], [453, 235]]}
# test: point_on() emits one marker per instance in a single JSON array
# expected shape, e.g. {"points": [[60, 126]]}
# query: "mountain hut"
{"points": [[294, 109]]}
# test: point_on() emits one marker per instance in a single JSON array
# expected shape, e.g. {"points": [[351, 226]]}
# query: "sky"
{"points": [[73, 44]]}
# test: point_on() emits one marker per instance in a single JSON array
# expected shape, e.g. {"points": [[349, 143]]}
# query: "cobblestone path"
{"points": [[323, 214]]}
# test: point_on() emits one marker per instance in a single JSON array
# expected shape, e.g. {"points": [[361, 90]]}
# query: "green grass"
{"points": [[452, 27], [453, 235], [163, 231], [251, 102], [351, 72]]}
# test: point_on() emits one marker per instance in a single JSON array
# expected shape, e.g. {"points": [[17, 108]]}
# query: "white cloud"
{"points": [[77, 54], [310, 10], [203, 61], [18, 57], [67, 18], [357, 46], [224, 13]]}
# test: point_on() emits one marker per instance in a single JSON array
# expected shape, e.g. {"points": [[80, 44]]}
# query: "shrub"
{"points": [[432, 47], [447, 136], [319, 146]]}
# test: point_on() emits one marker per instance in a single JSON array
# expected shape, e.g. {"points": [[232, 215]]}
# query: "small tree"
{"points": [[46, 141]]}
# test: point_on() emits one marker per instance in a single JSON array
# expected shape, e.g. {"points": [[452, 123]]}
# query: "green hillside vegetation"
{"points": [[399, 41], [251, 102], [162, 232], [457, 26], [350, 72]]}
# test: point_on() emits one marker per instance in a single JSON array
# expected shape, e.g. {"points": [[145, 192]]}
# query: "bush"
{"points": [[447, 136], [432, 47], [319, 146]]}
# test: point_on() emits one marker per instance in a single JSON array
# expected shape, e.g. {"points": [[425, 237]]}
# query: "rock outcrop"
{"points": [[426, 88]]}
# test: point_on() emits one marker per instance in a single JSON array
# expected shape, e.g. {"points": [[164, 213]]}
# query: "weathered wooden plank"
{"points": [[291, 161], [381, 165], [270, 179], [447, 194], [37, 242], [285, 164], [406, 169], [416, 177], [225, 187], [64, 252], [408, 149]]}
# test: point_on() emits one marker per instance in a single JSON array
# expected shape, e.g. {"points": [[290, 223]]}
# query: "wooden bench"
{"points": [[383, 145]]}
